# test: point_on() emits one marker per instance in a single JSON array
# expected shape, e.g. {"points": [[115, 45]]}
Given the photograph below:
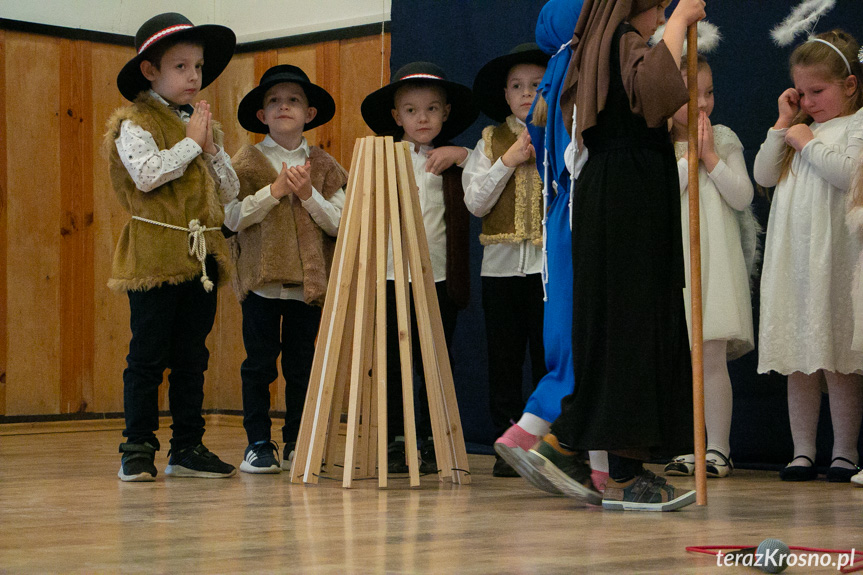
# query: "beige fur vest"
{"points": [[148, 255], [287, 246], [517, 215]]}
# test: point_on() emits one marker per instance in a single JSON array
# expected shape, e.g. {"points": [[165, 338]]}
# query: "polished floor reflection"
{"points": [[63, 510]]}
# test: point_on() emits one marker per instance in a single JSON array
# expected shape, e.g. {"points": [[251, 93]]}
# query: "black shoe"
{"points": [[288, 455], [799, 472], [841, 474], [198, 461], [396, 459], [569, 473], [428, 459], [136, 464], [261, 458], [502, 468]]}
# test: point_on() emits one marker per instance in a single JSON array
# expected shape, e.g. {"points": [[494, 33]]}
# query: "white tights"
{"points": [[846, 409], [717, 396]]}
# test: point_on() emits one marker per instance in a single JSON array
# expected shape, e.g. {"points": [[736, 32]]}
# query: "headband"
{"points": [[838, 51]]}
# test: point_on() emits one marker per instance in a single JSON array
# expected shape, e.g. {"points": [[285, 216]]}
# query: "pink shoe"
{"points": [[599, 478], [516, 436]]}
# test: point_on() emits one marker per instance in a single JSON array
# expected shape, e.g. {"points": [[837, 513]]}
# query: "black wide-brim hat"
{"points": [[488, 87], [377, 107], [218, 42], [318, 98]]}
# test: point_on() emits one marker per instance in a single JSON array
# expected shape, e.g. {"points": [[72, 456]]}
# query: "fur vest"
{"points": [[517, 215], [148, 255], [287, 246]]}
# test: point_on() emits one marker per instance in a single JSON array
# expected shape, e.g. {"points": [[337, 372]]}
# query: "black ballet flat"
{"points": [[841, 474], [800, 472]]}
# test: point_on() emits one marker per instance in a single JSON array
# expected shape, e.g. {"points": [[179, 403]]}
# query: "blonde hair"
{"points": [[817, 54], [540, 112]]}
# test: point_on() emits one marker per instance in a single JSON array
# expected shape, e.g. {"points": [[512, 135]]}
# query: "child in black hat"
{"points": [[287, 217], [502, 186], [171, 174], [422, 107]]}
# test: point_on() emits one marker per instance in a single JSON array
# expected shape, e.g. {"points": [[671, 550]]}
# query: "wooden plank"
{"points": [[385, 180], [33, 220], [394, 167], [110, 309], [442, 395], [363, 58], [362, 309], [317, 394], [3, 245], [76, 234]]}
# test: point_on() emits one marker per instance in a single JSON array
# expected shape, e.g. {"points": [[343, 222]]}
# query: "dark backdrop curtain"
{"points": [[749, 73]]}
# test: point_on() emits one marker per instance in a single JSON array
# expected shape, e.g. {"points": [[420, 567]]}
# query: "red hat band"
{"points": [[161, 34]]}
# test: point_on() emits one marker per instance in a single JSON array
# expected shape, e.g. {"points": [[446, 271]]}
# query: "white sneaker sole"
{"points": [[566, 484], [516, 457], [246, 467], [687, 498], [144, 476], [180, 471]]}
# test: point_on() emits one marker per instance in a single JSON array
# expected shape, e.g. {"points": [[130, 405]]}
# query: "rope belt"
{"points": [[197, 243]]}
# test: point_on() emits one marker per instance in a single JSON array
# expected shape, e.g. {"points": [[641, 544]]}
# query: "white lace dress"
{"points": [[807, 322], [725, 195]]}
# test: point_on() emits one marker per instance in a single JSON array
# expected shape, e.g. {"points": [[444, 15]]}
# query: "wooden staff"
{"points": [[695, 271]]}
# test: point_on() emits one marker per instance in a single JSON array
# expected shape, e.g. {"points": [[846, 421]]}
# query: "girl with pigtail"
{"points": [[807, 322]]}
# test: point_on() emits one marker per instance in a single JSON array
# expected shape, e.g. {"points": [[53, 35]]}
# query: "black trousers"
{"points": [[513, 309], [395, 410], [169, 325], [272, 327]]}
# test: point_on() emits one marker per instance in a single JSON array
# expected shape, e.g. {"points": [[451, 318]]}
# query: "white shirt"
{"points": [[483, 183], [151, 167], [254, 208], [432, 206]]}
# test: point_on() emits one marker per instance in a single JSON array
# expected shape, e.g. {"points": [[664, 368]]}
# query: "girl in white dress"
{"points": [[725, 195], [807, 322]]}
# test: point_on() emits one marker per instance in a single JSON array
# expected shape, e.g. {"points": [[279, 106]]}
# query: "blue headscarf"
{"points": [[554, 29]]}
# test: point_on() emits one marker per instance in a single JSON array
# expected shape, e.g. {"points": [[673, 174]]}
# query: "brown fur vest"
{"points": [[148, 255], [287, 246], [517, 215]]}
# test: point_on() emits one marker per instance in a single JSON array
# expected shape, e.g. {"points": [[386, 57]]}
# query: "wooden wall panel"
{"points": [[110, 309], [63, 335], [33, 224], [360, 64], [76, 233], [3, 187]]}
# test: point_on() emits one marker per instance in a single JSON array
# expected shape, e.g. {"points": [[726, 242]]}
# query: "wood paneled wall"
{"points": [[63, 335]]}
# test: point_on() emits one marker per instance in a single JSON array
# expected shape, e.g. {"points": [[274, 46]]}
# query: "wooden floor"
{"points": [[63, 510]]}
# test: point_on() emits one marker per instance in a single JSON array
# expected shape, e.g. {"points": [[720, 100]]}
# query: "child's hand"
{"points": [[798, 136], [199, 124], [520, 152], [299, 180], [789, 106], [706, 146], [689, 11], [279, 188], [440, 159], [209, 145]]}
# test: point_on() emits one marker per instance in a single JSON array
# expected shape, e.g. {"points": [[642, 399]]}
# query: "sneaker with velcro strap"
{"points": [[645, 492], [261, 458], [567, 471], [137, 462], [197, 461]]}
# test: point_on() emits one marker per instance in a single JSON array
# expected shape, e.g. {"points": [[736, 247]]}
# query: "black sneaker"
{"points": [[198, 461], [261, 458], [396, 459], [136, 464], [428, 459], [288, 455], [569, 473]]}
